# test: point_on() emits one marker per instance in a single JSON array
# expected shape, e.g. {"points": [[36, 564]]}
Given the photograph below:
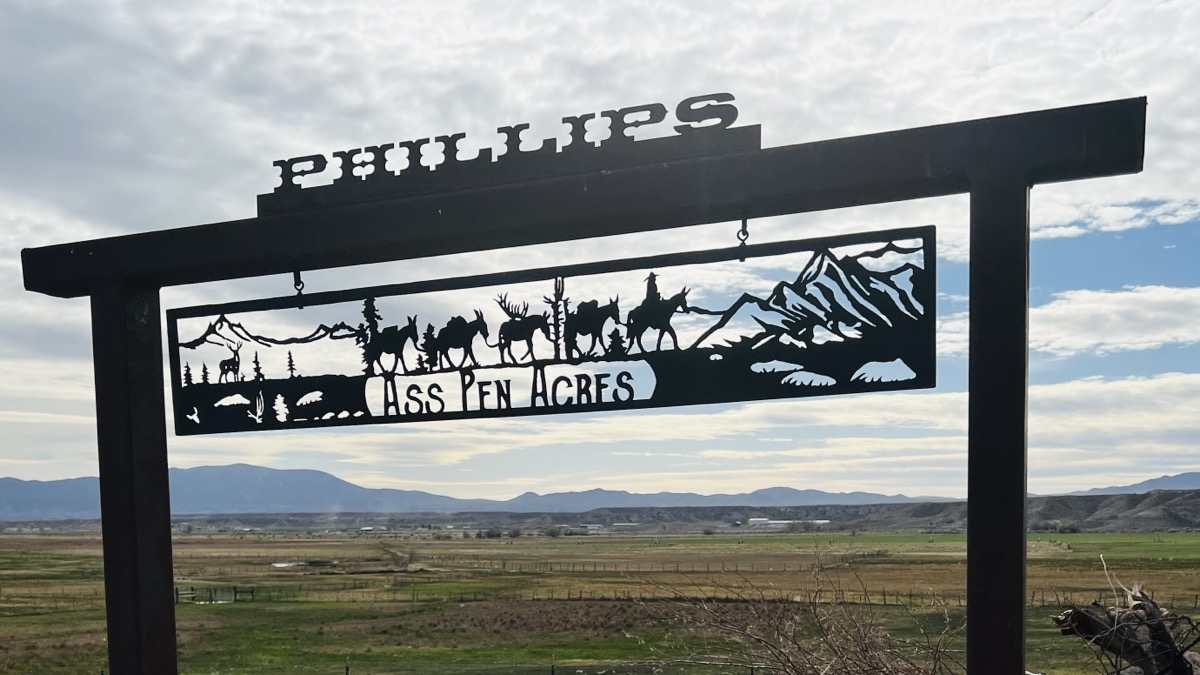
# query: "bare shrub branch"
{"points": [[1136, 638], [717, 623]]}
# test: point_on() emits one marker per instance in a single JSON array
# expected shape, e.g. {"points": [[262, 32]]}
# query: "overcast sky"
{"points": [[121, 117]]}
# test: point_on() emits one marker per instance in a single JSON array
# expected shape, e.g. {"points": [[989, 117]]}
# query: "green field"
{"points": [[419, 602]]}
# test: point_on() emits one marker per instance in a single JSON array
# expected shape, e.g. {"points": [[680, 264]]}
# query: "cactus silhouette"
{"points": [[558, 310]]}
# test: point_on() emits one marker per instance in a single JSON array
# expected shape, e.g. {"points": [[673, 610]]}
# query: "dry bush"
{"points": [[1137, 638], [763, 630]]}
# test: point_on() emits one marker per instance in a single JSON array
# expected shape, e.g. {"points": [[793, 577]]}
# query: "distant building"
{"points": [[779, 524]]}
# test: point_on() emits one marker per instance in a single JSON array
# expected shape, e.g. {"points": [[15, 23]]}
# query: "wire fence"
{"points": [[502, 668], [362, 592], [349, 593]]}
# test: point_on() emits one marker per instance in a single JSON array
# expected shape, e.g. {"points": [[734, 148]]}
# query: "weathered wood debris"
{"points": [[1140, 638]]}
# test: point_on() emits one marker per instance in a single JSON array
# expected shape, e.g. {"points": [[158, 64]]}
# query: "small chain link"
{"points": [[742, 235], [298, 284]]}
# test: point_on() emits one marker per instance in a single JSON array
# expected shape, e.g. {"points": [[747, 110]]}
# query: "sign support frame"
{"points": [[134, 489], [995, 160], [997, 419]]}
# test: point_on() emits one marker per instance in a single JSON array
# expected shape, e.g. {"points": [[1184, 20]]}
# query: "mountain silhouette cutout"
{"points": [[831, 300], [223, 332]]}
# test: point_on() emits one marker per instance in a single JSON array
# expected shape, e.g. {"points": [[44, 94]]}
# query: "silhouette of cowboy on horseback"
{"points": [[652, 294], [655, 312]]}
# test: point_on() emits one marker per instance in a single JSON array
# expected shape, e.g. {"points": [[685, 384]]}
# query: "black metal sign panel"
{"points": [[835, 315], [428, 165]]}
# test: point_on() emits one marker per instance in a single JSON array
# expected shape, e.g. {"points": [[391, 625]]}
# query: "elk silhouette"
{"points": [[520, 327], [655, 314], [231, 366], [458, 333], [588, 319]]}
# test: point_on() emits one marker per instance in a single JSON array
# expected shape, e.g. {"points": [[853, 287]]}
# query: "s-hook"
{"points": [[298, 284], [742, 235]]}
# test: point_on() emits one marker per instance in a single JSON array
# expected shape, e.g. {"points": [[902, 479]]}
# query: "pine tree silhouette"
{"points": [[258, 374], [187, 375], [291, 365], [428, 346], [616, 345], [367, 332], [372, 317], [204, 373]]}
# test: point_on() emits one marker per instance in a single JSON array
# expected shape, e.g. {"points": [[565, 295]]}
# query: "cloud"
{"points": [[1101, 322], [953, 334], [1082, 433], [60, 380], [11, 416], [165, 112], [1094, 426], [1118, 217], [137, 116], [1084, 321]]}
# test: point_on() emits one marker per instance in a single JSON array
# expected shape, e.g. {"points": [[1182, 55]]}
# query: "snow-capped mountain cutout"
{"points": [[891, 371], [832, 300]]}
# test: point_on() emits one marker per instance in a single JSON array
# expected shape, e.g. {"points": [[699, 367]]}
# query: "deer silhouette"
{"points": [[458, 333], [231, 366], [520, 327], [588, 319], [655, 314]]}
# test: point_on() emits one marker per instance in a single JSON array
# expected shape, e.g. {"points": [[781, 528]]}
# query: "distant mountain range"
{"points": [[1182, 481], [242, 488]]}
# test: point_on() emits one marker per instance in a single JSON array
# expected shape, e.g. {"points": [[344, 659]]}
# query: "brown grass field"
{"points": [[416, 601]]}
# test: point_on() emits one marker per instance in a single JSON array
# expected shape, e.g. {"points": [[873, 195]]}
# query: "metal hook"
{"points": [[742, 235], [298, 284]]}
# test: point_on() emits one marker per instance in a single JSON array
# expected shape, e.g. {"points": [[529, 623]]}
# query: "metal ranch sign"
{"points": [[424, 165], [815, 316], [838, 315]]}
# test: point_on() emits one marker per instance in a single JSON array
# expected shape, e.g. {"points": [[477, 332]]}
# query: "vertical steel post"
{"points": [[135, 503], [997, 416]]}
